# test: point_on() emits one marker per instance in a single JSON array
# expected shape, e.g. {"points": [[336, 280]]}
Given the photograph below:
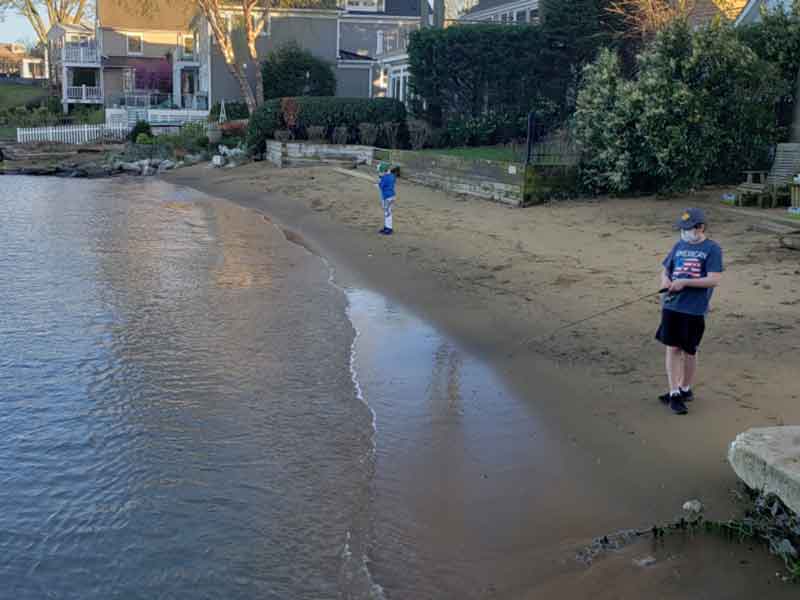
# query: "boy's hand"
{"points": [[677, 285]]}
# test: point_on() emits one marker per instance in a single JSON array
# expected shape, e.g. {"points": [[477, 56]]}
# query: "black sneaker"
{"points": [[677, 405], [665, 398], [382, 230], [387, 231], [687, 395]]}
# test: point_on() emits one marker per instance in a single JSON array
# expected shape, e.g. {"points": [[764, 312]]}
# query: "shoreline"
{"points": [[603, 415]]}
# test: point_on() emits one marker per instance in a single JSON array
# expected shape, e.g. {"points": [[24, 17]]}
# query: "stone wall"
{"points": [[284, 154], [491, 180]]}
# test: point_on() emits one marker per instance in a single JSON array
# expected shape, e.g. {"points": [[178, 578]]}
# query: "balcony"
{"points": [[392, 42], [84, 93], [80, 54], [195, 101]]}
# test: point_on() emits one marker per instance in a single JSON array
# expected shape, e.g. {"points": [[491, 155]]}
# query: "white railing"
{"points": [[87, 55], [85, 93], [72, 134], [195, 101], [175, 117]]}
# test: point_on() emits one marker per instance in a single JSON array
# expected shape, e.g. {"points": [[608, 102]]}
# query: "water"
{"points": [[178, 415]]}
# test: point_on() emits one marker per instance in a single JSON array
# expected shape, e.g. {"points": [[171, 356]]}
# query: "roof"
{"points": [[488, 5], [162, 15], [347, 55], [393, 8], [76, 28], [705, 11]]}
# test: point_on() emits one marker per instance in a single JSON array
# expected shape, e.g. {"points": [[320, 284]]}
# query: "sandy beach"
{"points": [[501, 281]]}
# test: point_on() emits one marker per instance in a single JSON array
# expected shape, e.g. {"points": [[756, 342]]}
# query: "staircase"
{"points": [[136, 114]]}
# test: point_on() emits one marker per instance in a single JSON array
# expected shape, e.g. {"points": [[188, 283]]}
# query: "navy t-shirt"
{"points": [[692, 261]]}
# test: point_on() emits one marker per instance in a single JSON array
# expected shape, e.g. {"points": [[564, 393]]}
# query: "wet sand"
{"points": [[494, 279]]}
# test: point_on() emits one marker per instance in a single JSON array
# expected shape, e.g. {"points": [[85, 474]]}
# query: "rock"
{"points": [[131, 167], [645, 561], [693, 506], [148, 170], [768, 459], [155, 162], [165, 165], [192, 159], [218, 160]]}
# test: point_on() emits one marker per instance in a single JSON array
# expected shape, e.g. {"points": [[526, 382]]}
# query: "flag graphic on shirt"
{"points": [[688, 267]]}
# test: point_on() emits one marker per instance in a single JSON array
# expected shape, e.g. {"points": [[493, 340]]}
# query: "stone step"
{"points": [[768, 459]]}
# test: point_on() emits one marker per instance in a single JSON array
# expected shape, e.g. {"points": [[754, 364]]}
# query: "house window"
{"points": [[188, 46], [379, 45], [362, 5], [504, 18], [135, 43], [520, 16], [533, 16]]}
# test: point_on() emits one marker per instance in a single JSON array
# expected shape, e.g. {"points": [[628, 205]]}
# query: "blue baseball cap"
{"points": [[690, 218]]}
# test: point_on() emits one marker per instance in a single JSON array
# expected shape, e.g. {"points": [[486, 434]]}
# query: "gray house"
{"points": [[355, 38]]}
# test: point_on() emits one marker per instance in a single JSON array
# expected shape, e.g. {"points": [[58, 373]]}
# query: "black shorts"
{"points": [[680, 330]]}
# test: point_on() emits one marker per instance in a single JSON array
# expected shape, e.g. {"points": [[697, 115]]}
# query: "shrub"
{"points": [[368, 133], [322, 112], [701, 109], [316, 133], [139, 128], [418, 132], [292, 71], [263, 123], [391, 132], [233, 111], [144, 139], [341, 135], [234, 129], [290, 111]]}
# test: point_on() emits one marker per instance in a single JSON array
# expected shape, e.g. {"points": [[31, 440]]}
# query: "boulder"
{"points": [[131, 167], [165, 165], [193, 159], [768, 459], [218, 160]]}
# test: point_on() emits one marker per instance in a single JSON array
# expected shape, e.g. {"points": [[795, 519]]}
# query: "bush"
{"points": [[316, 133], [341, 135], [233, 111], [139, 128], [323, 112], [144, 139], [368, 133], [701, 109], [234, 129], [292, 71], [262, 126], [418, 133], [391, 133]]}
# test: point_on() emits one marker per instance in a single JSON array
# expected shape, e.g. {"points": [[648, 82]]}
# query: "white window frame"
{"points": [[128, 38], [358, 5], [379, 43], [128, 77], [193, 53]]}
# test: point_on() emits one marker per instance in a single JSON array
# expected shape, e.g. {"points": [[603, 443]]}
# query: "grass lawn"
{"points": [[499, 153], [15, 94], [8, 134]]}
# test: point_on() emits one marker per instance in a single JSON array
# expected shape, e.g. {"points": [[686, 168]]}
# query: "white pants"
{"points": [[387, 204]]}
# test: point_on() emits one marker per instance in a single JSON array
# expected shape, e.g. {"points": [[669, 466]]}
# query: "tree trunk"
{"points": [[259, 83], [247, 92]]}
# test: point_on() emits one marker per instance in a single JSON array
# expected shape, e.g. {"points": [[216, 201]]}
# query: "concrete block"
{"points": [[768, 459]]}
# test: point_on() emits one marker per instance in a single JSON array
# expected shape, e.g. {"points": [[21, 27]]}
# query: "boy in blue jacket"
{"points": [[386, 184]]}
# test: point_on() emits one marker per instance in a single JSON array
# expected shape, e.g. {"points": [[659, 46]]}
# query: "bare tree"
{"points": [[43, 14], [644, 18]]}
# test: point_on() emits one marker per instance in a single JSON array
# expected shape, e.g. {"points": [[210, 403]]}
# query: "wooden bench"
{"points": [[768, 187]]}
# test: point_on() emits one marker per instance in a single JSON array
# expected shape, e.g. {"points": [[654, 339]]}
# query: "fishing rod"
{"points": [[592, 316]]}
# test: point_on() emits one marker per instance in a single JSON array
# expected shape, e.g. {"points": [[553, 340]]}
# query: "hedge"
{"points": [[328, 112], [233, 111], [462, 71]]}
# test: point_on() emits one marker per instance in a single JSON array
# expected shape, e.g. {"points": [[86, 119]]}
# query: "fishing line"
{"points": [[592, 316]]}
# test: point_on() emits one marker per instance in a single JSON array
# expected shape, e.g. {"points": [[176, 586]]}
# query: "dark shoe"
{"points": [[387, 231], [382, 230], [665, 398], [687, 396], [678, 406]]}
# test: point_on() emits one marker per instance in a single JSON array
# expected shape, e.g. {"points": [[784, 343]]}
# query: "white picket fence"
{"points": [[72, 134]]}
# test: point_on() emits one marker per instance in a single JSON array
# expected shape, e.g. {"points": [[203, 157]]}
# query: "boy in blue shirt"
{"points": [[386, 184], [692, 270]]}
